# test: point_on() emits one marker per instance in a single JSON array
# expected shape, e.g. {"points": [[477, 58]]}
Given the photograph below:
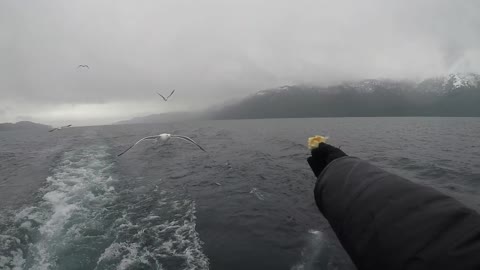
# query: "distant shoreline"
{"points": [[22, 125]]}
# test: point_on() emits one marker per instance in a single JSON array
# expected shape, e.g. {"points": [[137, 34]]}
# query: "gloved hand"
{"points": [[322, 156]]}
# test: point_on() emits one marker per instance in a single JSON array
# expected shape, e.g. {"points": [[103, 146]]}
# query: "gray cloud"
{"points": [[211, 51], [23, 118]]}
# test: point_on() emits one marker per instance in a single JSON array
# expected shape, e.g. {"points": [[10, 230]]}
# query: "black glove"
{"points": [[322, 155]]}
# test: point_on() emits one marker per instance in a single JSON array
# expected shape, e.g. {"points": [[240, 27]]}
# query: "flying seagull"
{"points": [[164, 137], [166, 98], [59, 128], [83, 66]]}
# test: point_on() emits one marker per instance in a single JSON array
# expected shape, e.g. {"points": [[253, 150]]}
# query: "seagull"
{"points": [[59, 128], [83, 66], [164, 137], [165, 99]]}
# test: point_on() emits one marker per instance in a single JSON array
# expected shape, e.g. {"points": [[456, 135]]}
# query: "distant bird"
{"points": [[83, 66], [164, 137], [166, 98], [59, 128]]}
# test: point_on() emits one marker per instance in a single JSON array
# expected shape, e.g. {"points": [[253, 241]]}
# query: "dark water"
{"points": [[67, 202]]}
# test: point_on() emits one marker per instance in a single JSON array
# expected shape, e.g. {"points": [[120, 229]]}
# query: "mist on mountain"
{"points": [[452, 95]]}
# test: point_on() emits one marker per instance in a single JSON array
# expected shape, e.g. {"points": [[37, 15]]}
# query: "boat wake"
{"points": [[85, 218]]}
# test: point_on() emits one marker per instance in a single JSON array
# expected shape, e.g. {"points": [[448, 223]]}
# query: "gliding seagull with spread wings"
{"points": [[163, 137], [59, 128], [166, 98], [83, 66]]}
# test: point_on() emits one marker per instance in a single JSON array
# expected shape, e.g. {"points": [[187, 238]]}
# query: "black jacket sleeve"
{"points": [[386, 222]]}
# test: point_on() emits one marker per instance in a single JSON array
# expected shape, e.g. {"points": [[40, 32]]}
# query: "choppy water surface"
{"points": [[67, 201]]}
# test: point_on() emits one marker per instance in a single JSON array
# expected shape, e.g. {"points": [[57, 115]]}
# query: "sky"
{"points": [[213, 51]]}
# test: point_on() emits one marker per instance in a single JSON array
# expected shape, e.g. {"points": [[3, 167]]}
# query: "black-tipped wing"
{"points": [[53, 130], [162, 96], [171, 94], [126, 150], [146, 138], [188, 140]]}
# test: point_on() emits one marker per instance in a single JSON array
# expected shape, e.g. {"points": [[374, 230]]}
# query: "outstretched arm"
{"points": [[387, 222]]}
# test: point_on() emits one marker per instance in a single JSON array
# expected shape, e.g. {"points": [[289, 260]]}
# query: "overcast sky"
{"points": [[211, 51]]}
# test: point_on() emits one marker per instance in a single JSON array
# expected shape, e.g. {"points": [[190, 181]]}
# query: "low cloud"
{"points": [[215, 50]]}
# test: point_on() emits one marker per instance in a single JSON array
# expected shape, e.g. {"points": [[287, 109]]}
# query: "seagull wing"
{"points": [[171, 94], [146, 138], [53, 130], [86, 66], [162, 96], [188, 140]]}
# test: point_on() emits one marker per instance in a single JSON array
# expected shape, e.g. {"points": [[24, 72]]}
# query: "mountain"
{"points": [[461, 80], [22, 125], [450, 83], [451, 95], [162, 118]]}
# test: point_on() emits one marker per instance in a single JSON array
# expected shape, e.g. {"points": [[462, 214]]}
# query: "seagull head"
{"points": [[164, 137]]}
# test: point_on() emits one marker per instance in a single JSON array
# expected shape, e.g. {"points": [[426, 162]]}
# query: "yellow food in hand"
{"points": [[314, 141]]}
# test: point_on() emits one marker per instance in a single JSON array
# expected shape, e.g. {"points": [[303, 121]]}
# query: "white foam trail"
{"points": [[78, 188], [14, 258], [81, 218], [172, 239]]}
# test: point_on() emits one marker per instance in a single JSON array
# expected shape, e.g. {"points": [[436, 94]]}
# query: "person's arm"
{"points": [[387, 222]]}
